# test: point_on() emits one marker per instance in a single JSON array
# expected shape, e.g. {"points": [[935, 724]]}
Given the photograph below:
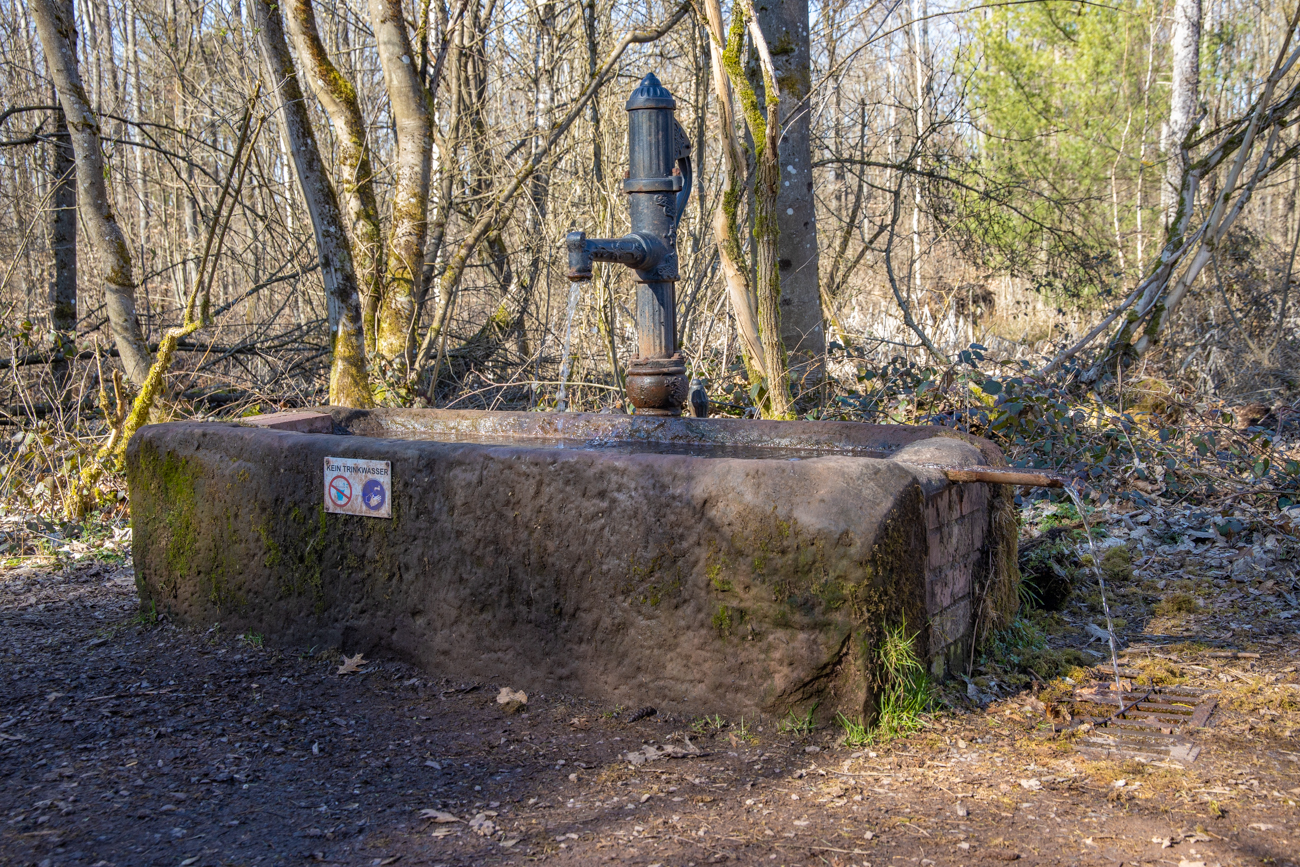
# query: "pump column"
{"points": [[656, 378]]}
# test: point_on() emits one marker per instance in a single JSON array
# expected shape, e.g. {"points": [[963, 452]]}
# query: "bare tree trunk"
{"points": [[57, 29], [339, 98], [918, 44], [395, 332], [764, 123], [349, 384], [63, 249], [1182, 100], [448, 146], [606, 321], [136, 113], [726, 220], [802, 326]]}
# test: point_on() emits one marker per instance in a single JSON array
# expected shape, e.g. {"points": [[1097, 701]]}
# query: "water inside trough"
{"points": [[686, 448]]}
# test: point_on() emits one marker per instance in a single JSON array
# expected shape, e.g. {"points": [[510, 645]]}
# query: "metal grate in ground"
{"points": [[1150, 724]]}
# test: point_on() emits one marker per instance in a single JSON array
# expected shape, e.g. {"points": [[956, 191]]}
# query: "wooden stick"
{"points": [[998, 475]]}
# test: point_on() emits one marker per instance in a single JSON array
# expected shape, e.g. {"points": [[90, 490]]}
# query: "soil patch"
{"points": [[129, 742]]}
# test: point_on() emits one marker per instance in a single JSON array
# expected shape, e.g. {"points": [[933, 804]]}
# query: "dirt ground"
{"points": [[130, 742]]}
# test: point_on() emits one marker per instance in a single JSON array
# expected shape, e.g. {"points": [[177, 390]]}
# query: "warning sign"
{"points": [[358, 487]]}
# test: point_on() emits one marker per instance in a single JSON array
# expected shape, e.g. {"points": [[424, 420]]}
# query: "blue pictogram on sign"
{"points": [[341, 490], [373, 495]]}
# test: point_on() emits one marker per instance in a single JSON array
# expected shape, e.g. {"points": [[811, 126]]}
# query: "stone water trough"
{"points": [[728, 566]]}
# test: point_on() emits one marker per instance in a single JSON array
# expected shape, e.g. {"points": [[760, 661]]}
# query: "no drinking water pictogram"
{"points": [[356, 486], [340, 490]]}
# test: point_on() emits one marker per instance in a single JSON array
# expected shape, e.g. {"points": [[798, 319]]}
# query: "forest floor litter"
{"points": [[126, 740]]}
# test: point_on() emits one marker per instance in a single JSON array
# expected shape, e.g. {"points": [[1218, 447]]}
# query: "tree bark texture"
{"points": [[63, 247], [395, 319], [348, 379], [338, 96], [1186, 49], [724, 56], [57, 30], [764, 123], [786, 24], [607, 319], [63, 234]]}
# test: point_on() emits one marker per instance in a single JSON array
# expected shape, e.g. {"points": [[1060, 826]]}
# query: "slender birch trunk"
{"points": [[135, 101], [57, 29], [726, 219], [1182, 100]]}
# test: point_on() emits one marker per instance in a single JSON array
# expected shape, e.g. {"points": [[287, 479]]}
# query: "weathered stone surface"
{"points": [[301, 422], [696, 584]]}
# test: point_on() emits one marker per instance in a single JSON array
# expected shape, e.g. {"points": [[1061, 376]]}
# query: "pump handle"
{"points": [[683, 148]]}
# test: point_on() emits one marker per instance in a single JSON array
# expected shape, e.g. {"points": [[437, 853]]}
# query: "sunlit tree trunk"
{"points": [[763, 121], [786, 24], [135, 103], [395, 319], [339, 98], [918, 45], [727, 217], [348, 380], [57, 30], [1186, 50]]}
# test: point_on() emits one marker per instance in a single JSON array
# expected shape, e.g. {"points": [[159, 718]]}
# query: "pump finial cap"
{"points": [[651, 94]]}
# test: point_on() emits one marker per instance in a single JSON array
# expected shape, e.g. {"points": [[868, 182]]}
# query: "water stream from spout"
{"points": [[562, 396], [1101, 582]]}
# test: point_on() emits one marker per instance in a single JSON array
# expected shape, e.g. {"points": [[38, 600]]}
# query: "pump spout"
{"points": [[658, 187], [635, 251]]}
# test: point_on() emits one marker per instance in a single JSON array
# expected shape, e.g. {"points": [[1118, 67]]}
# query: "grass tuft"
{"points": [[802, 726], [906, 695]]}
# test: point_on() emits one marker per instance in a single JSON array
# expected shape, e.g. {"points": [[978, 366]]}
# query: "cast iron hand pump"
{"points": [[657, 186]]}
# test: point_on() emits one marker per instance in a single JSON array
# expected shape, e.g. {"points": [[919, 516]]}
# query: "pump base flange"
{"points": [[657, 386]]}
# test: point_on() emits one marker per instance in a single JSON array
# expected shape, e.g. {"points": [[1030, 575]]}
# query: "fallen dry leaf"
{"points": [[668, 751], [351, 664], [438, 816]]}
